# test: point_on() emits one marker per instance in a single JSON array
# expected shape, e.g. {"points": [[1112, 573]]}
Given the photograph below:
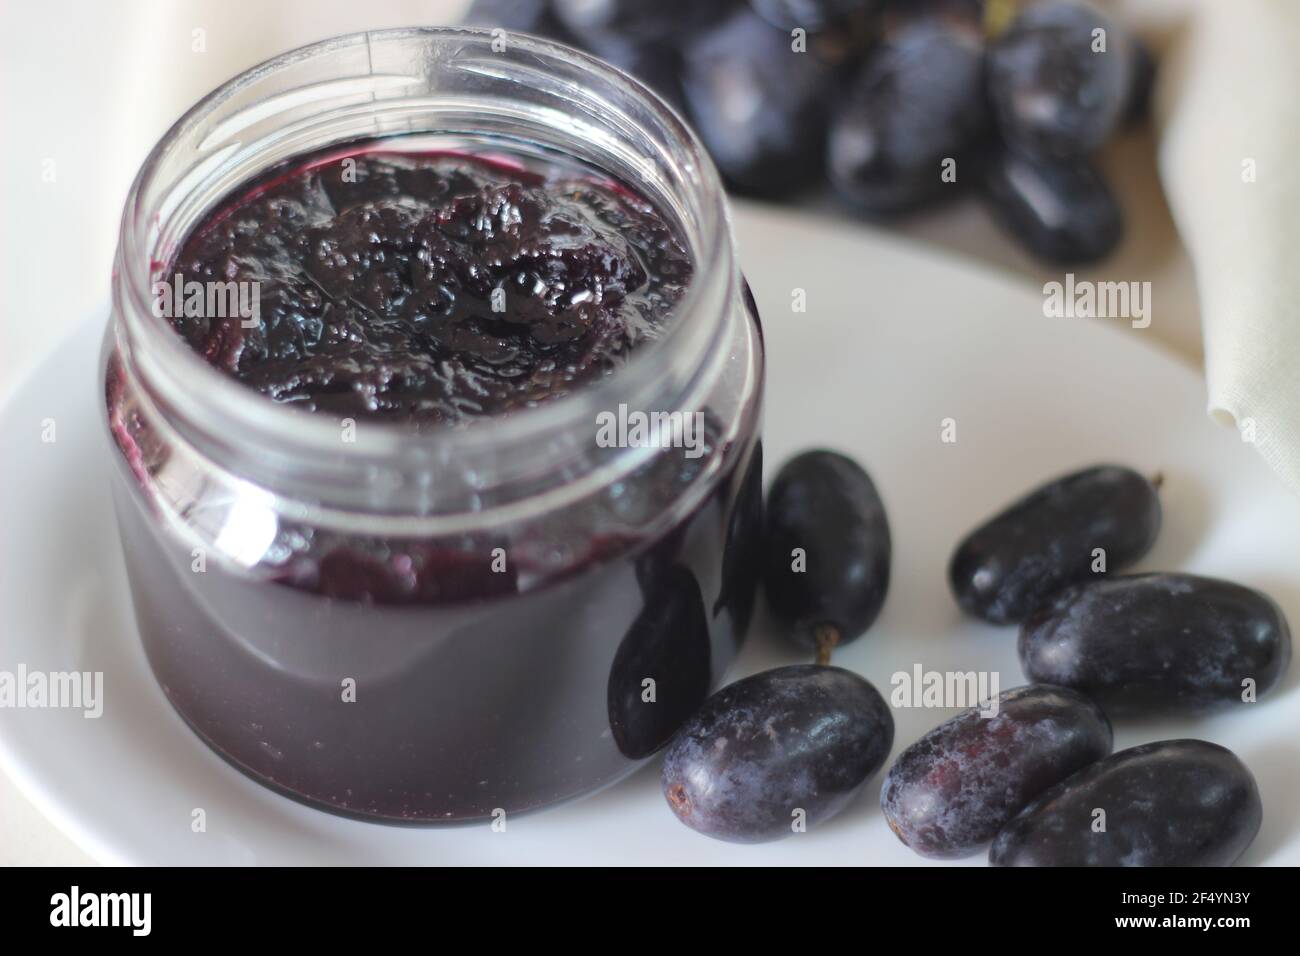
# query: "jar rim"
{"points": [[229, 407]]}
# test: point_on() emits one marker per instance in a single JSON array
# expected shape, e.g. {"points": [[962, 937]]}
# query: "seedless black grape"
{"points": [[1173, 803], [827, 550], [949, 793], [776, 752], [1148, 643], [1071, 529]]}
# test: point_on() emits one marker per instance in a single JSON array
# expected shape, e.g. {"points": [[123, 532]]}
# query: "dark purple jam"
{"points": [[432, 287], [474, 690]]}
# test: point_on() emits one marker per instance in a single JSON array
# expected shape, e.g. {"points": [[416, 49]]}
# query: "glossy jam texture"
{"points": [[431, 287]]}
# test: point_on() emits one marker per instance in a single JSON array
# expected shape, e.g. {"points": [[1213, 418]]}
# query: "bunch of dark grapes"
{"points": [[897, 104]]}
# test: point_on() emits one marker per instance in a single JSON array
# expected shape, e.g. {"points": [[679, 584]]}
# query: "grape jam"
{"points": [[432, 288], [411, 679]]}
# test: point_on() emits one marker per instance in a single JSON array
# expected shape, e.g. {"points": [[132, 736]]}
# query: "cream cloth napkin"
{"points": [[1229, 148]]}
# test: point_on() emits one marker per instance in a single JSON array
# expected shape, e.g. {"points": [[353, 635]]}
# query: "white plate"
{"points": [[895, 339]]}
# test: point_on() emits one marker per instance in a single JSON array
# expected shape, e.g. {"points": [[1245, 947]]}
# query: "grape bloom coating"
{"points": [[949, 793], [783, 746]]}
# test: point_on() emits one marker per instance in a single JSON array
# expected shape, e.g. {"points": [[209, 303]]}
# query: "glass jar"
{"points": [[577, 601]]}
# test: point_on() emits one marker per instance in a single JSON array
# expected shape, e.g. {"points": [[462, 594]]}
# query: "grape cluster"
{"points": [[1029, 771], [1129, 643], [897, 104]]}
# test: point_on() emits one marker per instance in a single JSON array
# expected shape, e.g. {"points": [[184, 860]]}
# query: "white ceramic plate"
{"points": [[894, 340]]}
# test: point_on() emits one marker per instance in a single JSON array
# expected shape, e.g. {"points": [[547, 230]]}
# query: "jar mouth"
{"points": [[389, 88]]}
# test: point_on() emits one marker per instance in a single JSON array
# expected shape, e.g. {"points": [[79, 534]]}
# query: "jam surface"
{"points": [[430, 287]]}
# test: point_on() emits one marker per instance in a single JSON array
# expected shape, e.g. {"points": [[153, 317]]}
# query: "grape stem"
{"points": [[1157, 480], [827, 636]]}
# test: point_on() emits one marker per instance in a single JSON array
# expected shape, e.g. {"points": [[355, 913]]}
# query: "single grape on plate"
{"points": [[1172, 803], [777, 752], [827, 550], [948, 794], [1159, 643], [1071, 529]]}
